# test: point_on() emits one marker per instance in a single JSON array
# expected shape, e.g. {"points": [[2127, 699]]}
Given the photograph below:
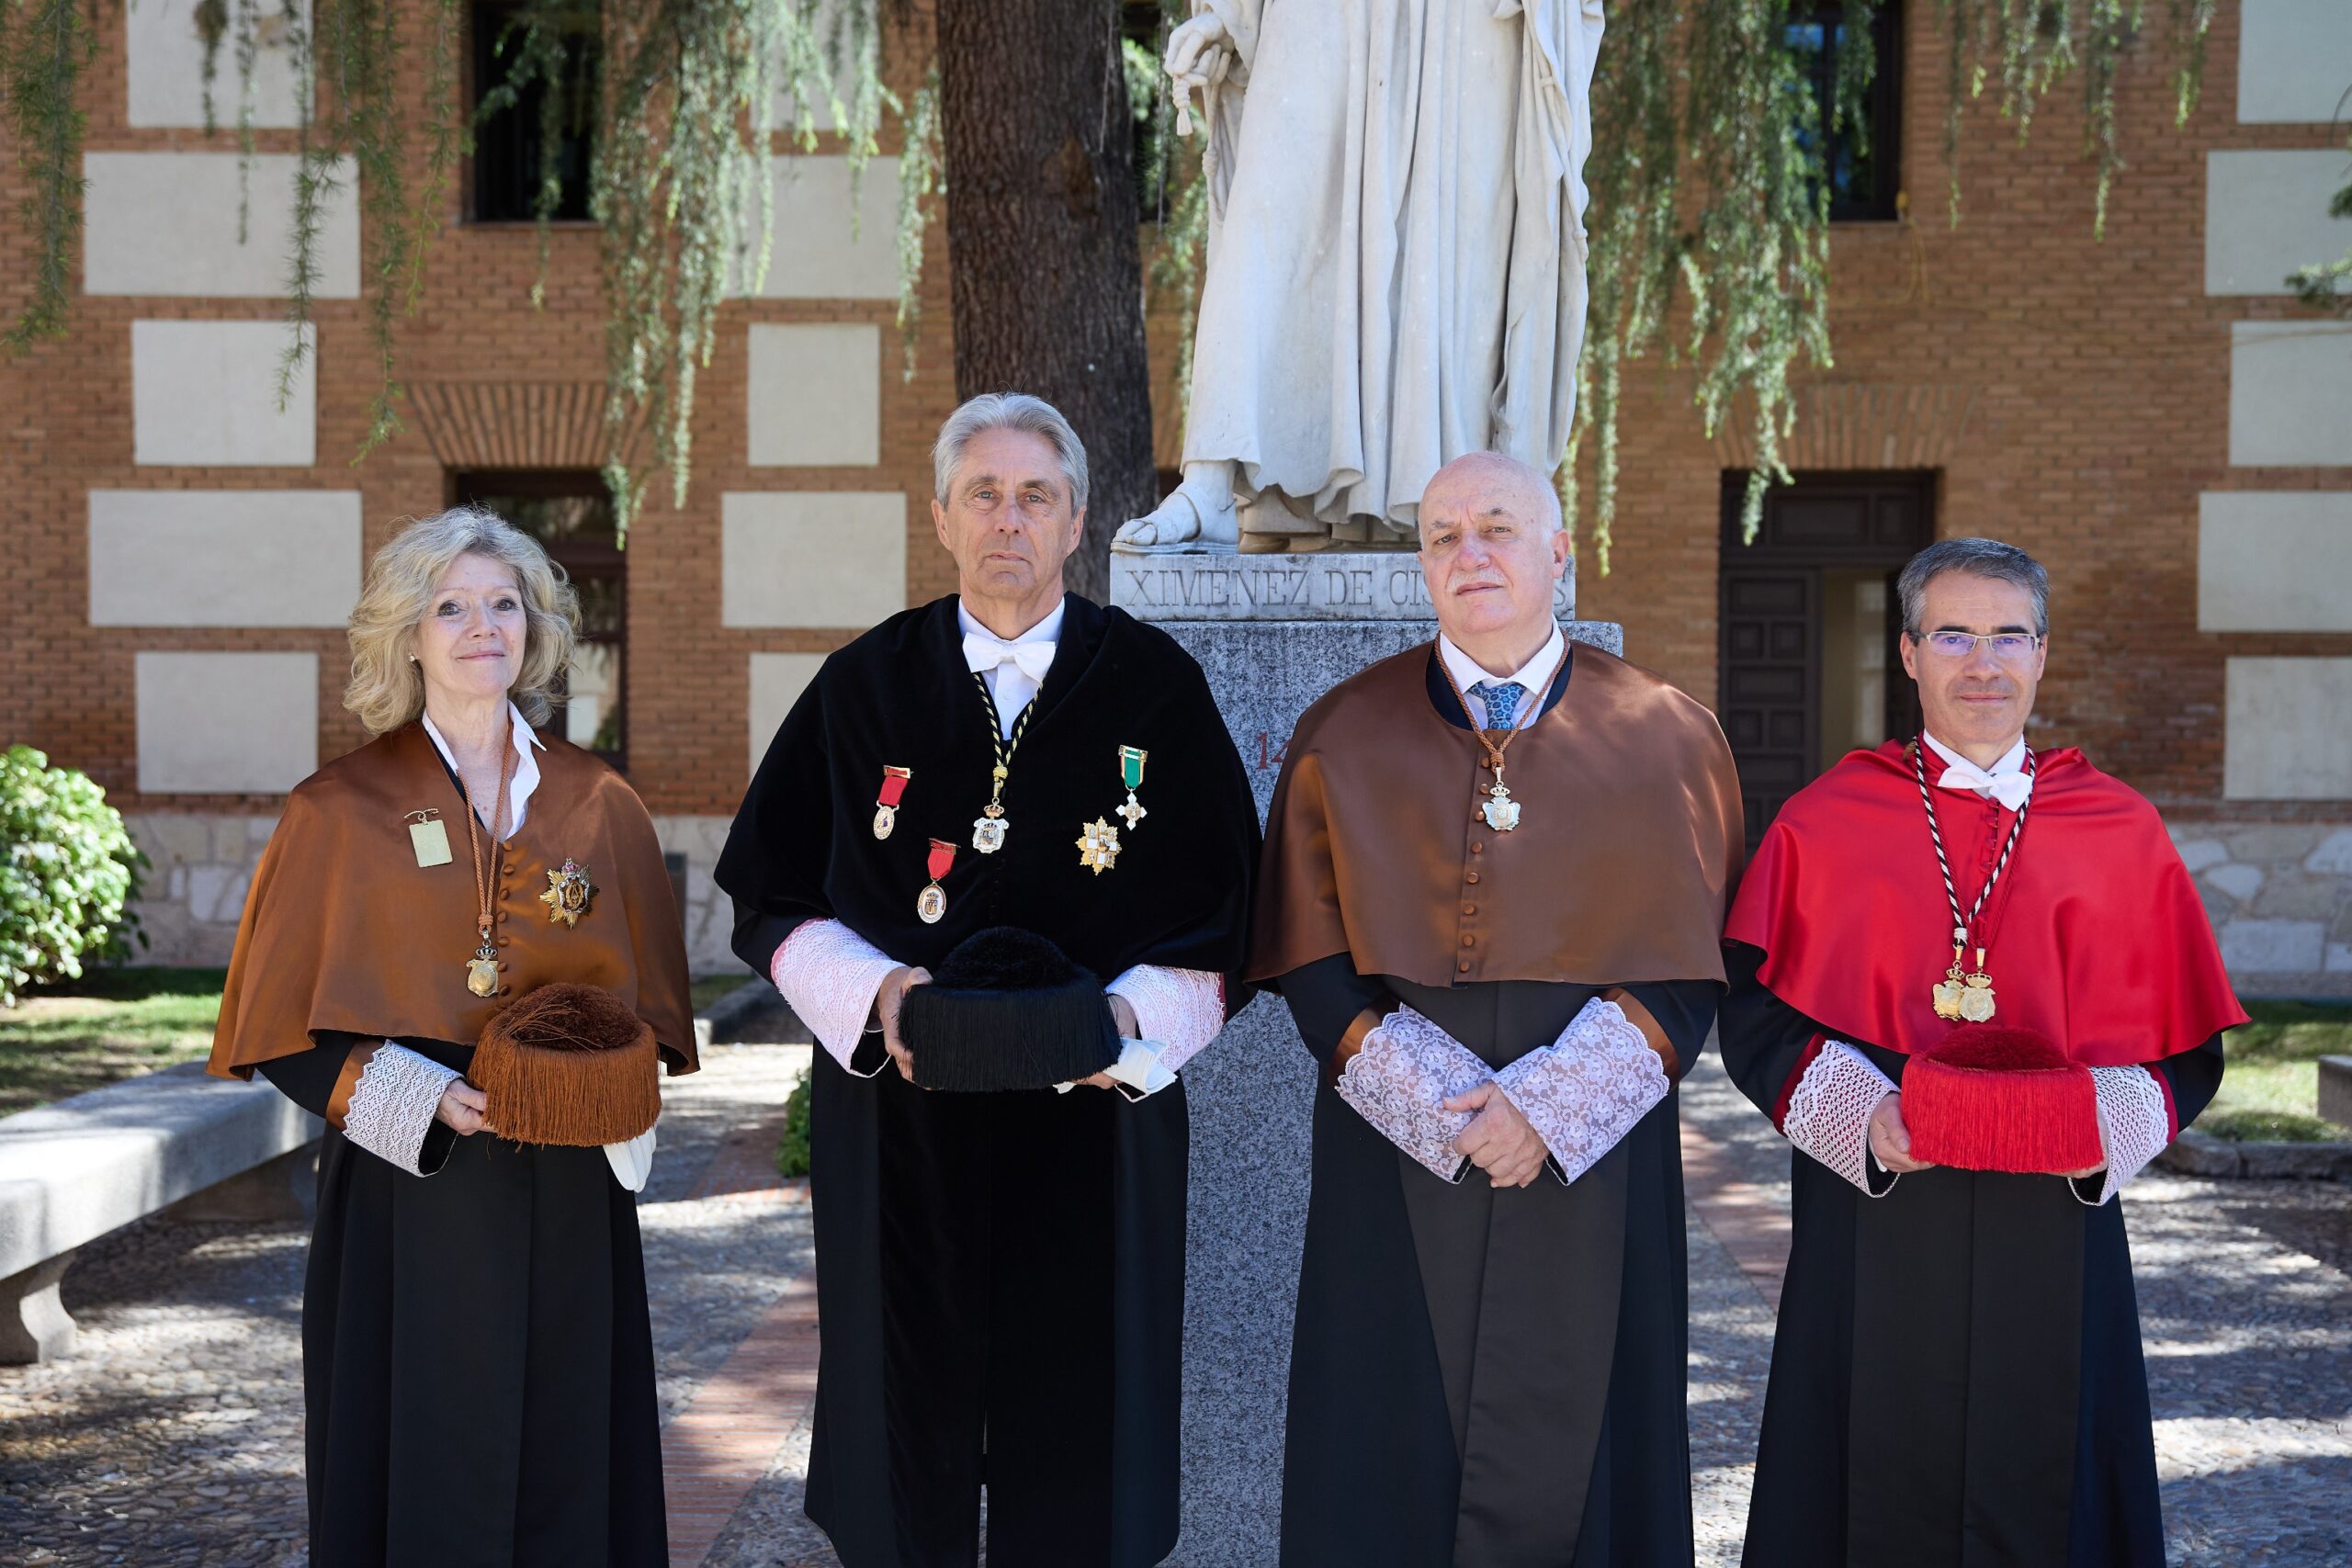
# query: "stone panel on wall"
{"points": [[165, 223], [829, 241], [2266, 214], [208, 557], [2274, 561], [163, 68], [778, 681], [2288, 733], [2290, 393], [815, 397], [812, 558], [204, 393], [2291, 56], [227, 723]]}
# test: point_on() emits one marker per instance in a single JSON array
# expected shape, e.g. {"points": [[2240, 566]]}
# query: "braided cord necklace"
{"points": [[1500, 811], [1965, 997], [989, 828]]}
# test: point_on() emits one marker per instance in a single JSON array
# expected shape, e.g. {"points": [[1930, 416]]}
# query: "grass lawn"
{"points": [[117, 1023], [110, 1024], [2271, 1088]]}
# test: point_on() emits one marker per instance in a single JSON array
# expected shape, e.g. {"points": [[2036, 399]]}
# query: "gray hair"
{"points": [[1008, 410], [1973, 558], [387, 688]]}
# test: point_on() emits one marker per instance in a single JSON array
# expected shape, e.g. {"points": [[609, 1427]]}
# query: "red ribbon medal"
{"points": [[932, 902], [886, 803]]}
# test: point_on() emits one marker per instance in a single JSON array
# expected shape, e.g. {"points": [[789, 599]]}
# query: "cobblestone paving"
{"points": [[2245, 1312], [172, 1436]]}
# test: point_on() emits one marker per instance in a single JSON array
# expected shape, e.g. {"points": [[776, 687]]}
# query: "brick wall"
{"points": [[2072, 397]]}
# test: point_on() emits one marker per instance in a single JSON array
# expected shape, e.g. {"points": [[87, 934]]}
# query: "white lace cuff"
{"points": [[2135, 1125], [392, 1104], [829, 975], [1586, 1091], [1829, 1111], [1399, 1082], [1179, 1010]]}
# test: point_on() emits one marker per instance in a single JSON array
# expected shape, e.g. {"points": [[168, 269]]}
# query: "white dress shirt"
{"points": [[1014, 669], [526, 767], [1535, 675], [2006, 780]]}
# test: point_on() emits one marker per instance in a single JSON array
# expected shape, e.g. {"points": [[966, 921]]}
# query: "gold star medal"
{"points": [[1131, 774], [1098, 847], [568, 893]]}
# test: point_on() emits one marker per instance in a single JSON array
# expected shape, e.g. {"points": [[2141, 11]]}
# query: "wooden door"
{"points": [[1825, 527]]}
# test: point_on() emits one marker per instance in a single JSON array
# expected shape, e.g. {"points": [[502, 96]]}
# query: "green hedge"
{"points": [[68, 873], [792, 1153]]}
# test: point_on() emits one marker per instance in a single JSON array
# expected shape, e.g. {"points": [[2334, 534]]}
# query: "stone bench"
{"points": [[202, 1148], [2335, 1089]]}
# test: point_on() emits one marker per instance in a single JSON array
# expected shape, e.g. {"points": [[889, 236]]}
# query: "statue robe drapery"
{"points": [[1395, 268]]}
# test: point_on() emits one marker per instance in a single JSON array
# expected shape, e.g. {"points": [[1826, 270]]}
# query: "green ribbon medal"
{"points": [[1131, 774]]}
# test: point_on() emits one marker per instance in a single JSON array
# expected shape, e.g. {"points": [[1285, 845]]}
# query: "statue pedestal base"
{"points": [[1251, 1093]]}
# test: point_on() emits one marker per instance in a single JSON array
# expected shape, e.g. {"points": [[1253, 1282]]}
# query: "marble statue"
{"points": [[1395, 268]]}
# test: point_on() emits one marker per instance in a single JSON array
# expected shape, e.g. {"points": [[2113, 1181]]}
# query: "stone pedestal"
{"points": [[1273, 632]]}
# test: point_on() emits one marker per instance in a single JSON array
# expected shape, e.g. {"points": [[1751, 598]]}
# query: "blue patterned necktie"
{"points": [[1501, 698]]}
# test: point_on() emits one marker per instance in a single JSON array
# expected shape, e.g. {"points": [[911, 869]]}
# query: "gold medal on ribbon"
{"points": [[885, 800], [931, 904]]}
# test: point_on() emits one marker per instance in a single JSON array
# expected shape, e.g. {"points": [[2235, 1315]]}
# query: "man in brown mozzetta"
{"points": [[1495, 878]]}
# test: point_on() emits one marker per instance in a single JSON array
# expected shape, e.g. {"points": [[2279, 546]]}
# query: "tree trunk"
{"points": [[1046, 288]]}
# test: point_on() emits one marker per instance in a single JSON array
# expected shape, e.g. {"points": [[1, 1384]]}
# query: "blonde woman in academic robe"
{"points": [[477, 1357]]}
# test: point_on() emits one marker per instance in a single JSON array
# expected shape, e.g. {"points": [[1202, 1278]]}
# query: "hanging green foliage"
{"points": [[1708, 226], [2327, 285]]}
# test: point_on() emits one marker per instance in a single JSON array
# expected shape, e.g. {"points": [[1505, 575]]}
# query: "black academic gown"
{"points": [[1482, 1379], [477, 1357], [1001, 1276], [1956, 1379]]}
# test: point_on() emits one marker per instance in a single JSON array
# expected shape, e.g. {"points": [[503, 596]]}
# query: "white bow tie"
{"points": [[2010, 788], [983, 653]]}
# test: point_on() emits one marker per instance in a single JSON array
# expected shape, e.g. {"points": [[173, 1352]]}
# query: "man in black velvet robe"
{"points": [[1956, 1380], [1001, 1275], [1488, 1364]]}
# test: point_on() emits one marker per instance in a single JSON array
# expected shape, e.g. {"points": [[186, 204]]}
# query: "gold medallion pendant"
{"points": [[1098, 846], [568, 893], [481, 969], [1965, 997]]}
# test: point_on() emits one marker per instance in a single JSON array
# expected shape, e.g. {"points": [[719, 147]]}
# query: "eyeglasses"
{"points": [[2009, 648]]}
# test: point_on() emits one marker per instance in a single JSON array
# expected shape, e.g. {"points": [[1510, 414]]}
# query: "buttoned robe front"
{"points": [[477, 1358], [1480, 1378]]}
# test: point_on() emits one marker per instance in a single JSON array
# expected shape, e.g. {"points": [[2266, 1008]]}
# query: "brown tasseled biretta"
{"points": [[568, 1064]]}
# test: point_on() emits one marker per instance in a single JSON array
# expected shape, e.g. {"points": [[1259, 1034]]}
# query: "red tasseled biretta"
{"points": [[570, 1064], [1990, 1097]]}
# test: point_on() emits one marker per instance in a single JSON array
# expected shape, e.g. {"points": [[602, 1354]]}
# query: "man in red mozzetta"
{"points": [[1957, 1376]]}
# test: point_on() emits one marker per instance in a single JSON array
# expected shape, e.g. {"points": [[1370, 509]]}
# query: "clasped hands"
{"points": [[892, 996], [1890, 1141], [1499, 1140]]}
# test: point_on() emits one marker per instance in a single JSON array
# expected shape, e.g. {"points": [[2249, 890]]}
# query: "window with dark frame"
{"points": [[1862, 160], [503, 181], [571, 512]]}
